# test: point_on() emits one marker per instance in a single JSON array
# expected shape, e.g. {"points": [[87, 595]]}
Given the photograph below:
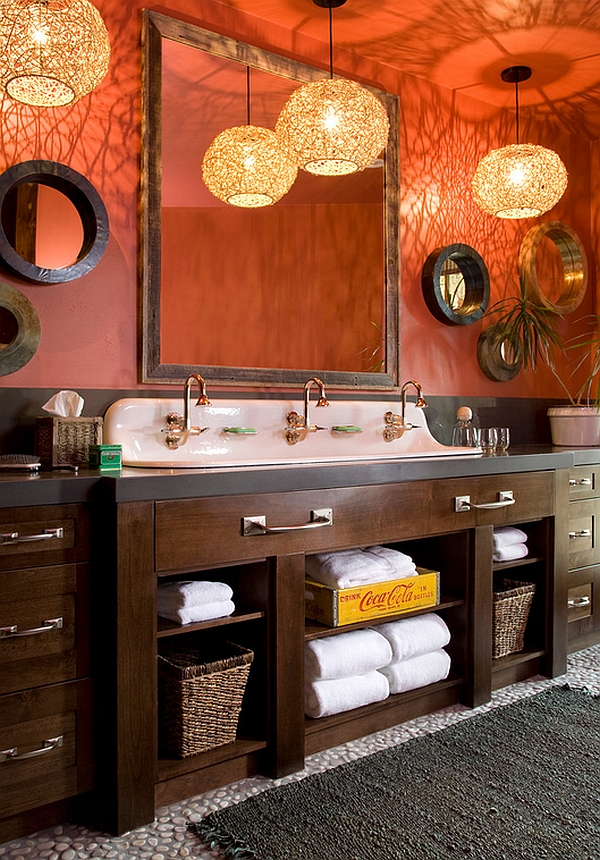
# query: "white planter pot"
{"points": [[575, 426]]}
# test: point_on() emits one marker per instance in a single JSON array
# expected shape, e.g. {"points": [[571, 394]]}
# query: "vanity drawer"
{"points": [[579, 602], [44, 769], [584, 547], [584, 482], [49, 609], [193, 533], [49, 534]]}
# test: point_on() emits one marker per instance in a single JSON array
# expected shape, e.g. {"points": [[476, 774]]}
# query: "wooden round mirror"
{"points": [[553, 265], [499, 360], [19, 330], [456, 285], [53, 223]]}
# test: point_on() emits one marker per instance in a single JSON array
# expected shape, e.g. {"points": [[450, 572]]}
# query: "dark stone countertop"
{"points": [[18, 489]]}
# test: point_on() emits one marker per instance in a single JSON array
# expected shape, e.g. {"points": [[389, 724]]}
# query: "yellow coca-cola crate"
{"points": [[338, 607]]}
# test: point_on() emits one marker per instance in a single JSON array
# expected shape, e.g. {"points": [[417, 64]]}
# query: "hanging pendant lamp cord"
{"points": [[330, 43], [517, 106], [248, 94]]}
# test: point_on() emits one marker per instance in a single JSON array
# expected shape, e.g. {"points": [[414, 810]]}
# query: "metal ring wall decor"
{"points": [[498, 360], [574, 263], [455, 284], [15, 354], [85, 199]]}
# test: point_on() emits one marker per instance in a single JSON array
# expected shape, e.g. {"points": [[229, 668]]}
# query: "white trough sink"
{"points": [[139, 425]]}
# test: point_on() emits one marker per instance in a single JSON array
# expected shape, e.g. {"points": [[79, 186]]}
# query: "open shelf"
{"points": [[170, 767], [169, 628]]}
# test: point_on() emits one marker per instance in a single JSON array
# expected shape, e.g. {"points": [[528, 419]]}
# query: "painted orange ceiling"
{"points": [[464, 45]]}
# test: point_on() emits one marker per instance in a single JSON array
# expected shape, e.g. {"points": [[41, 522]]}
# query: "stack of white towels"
{"points": [[353, 567], [340, 672], [418, 655], [349, 670], [192, 601], [510, 543]]}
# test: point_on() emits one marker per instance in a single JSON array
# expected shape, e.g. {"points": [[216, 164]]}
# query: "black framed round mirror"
{"points": [[22, 227], [455, 284], [19, 330]]}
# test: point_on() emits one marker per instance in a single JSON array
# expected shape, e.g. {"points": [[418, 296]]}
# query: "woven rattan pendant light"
{"points": [[247, 166], [52, 52], [333, 126], [521, 180]]}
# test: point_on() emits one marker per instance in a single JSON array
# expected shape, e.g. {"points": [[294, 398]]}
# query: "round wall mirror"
{"points": [[19, 330], [499, 359], [553, 265], [53, 223], [455, 284]]}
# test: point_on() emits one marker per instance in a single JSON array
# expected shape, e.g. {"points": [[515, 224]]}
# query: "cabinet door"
{"points": [[584, 548]]}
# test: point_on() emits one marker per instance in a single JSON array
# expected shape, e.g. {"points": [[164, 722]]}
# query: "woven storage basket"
{"points": [[512, 602], [200, 697]]}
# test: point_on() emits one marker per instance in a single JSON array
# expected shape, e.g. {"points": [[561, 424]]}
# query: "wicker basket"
{"points": [[512, 602], [200, 697]]}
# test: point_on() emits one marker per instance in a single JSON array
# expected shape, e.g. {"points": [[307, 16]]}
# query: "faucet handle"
{"points": [[294, 420]]}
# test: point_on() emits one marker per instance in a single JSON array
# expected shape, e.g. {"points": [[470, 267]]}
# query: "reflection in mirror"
{"points": [[455, 284], [19, 330], [9, 328], [53, 223], [42, 225], [266, 296]]}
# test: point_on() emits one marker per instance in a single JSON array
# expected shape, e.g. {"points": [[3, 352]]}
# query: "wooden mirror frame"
{"points": [[85, 199], [156, 27], [17, 353], [476, 279]]}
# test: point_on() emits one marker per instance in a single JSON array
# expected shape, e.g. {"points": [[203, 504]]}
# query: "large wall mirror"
{"points": [[262, 296]]}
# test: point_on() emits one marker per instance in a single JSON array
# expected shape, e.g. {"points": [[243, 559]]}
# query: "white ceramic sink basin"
{"points": [[140, 426]]}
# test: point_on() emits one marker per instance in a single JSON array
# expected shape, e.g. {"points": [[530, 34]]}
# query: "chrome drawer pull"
{"points": [[583, 533], [47, 746], [578, 602], [47, 534], [582, 482], [258, 525], [464, 503], [12, 631]]}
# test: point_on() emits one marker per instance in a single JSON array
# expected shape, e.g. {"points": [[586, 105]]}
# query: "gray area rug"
{"points": [[520, 781]]}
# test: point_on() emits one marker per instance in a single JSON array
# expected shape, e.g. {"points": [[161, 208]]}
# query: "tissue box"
{"points": [[66, 441], [338, 607]]}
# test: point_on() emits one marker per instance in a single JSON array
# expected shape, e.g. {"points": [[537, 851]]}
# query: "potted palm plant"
{"points": [[523, 335]]}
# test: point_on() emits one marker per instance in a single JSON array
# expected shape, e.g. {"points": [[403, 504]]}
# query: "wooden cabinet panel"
{"points": [[50, 534], [31, 599], [584, 546], [584, 482], [28, 721], [203, 532]]}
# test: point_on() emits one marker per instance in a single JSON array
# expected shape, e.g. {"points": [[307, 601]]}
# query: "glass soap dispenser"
{"points": [[464, 432]]}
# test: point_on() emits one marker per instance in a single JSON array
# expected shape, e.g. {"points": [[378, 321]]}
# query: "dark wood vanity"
{"points": [[147, 528]]}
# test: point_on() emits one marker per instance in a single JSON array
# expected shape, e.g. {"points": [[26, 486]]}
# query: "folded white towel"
{"points": [[178, 595], [410, 637], [203, 612], [510, 552], [353, 653], [322, 698], [417, 671], [508, 535], [352, 567]]}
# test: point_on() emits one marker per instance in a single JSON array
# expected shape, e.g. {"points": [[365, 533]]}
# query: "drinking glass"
{"points": [[502, 439], [488, 439]]}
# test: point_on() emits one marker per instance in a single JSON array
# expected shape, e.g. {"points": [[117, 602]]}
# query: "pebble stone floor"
{"points": [[168, 836]]}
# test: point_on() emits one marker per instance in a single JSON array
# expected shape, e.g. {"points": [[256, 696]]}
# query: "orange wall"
{"points": [[90, 326]]}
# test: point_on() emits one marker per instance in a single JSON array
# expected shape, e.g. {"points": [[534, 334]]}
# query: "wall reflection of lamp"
{"points": [[52, 52], [521, 180], [333, 126], [246, 165]]}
